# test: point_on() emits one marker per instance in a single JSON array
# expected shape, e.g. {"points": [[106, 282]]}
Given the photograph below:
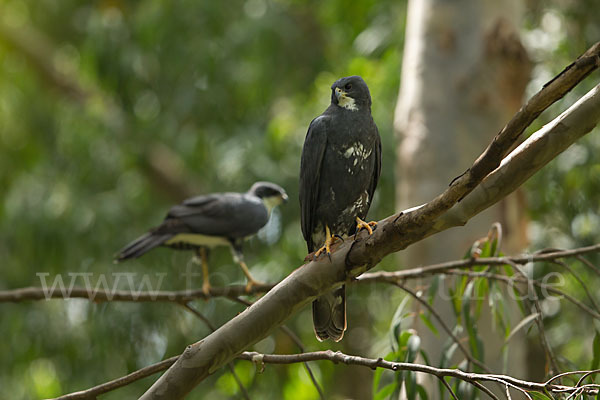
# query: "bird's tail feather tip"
{"points": [[331, 332], [140, 246]]}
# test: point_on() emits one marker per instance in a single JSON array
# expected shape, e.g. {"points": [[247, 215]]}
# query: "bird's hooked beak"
{"points": [[284, 198], [344, 100]]}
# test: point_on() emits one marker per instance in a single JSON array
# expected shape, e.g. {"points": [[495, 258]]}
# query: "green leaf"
{"points": [[447, 355], [412, 348], [385, 391], [524, 322], [425, 357], [493, 247], [471, 324], [433, 288], [539, 396], [464, 390], [466, 304], [422, 392], [596, 351], [498, 306], [427, 321], [396, 324], [410, 383], [486, 250], [376, 379], [481, 293], [458, 297]]}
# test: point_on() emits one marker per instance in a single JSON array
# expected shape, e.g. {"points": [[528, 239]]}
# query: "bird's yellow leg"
{"points": [[329, 240], [360, 224], [251, 280], [204, 263]]}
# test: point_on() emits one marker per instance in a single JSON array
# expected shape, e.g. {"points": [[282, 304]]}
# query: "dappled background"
{"points": [[111, 111]]}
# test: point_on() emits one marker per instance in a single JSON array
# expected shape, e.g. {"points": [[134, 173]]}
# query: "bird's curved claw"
{"points": [[330, 239], [360, 224], [251, 283], [339, 237]]}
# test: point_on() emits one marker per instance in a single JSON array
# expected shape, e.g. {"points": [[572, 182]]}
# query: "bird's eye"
{"points": [[348, 86]]}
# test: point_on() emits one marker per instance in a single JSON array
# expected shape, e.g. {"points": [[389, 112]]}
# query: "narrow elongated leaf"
{"points": [[385, 391], [396, 324], [422, 393], [596, 351], [427, 321], [433, 288], [539, 396], [412, 348], [523, 323]]}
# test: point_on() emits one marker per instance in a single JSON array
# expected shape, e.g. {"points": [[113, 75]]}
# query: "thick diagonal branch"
{"points": [[393, 234]]}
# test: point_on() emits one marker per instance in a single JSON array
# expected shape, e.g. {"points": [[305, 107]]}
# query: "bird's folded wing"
{"points": [[377, 169], [310, 171], [231, 215]]}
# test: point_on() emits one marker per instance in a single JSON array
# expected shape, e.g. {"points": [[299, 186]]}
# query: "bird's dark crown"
{"points": [[353, 86], [267, 189]]}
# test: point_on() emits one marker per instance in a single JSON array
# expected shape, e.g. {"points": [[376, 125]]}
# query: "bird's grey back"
{"points": [[231, 215]]}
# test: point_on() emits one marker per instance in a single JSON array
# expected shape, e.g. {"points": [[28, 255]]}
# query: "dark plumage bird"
{"points": [[340, 167], [212, 220]]}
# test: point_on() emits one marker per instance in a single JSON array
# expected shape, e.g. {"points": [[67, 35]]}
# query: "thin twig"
{"points": [[508, 396], [539, 320], [302, 348], [101, 295], [442, 267], [588, 264], [234, 291], [484, 390], [580, 381], [446, 328], [95, 391], [511, 280], [470, 377], [578, 279], [337, 357], [448, 387]]}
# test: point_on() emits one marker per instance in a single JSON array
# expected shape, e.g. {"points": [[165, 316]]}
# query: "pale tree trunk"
{"points": [[464, 73]]}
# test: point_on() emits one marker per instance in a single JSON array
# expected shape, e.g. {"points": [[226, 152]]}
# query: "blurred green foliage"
{"points": [[97, 100], [112, 110]]}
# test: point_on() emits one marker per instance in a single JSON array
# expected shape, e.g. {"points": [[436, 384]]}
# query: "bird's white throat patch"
{"points": [[347, 102], [271, 202]]}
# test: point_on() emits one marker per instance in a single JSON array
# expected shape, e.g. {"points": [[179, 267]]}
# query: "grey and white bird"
{"points": [[218, 219], [340, 167]]}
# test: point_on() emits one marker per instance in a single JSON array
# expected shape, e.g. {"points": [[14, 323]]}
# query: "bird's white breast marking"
{"points": [[358, 151], [198, 240], [358, 204]]}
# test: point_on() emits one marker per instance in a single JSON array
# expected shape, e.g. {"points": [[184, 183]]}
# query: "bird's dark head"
{"points": [[271, 194], [351, 93]]}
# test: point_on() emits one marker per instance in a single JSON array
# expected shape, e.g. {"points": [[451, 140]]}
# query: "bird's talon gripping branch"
{"points": [[360, 224], [329, 240], [251, 281], [206, 287]]}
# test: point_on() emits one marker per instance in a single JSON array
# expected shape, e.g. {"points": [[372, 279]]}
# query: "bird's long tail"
{"points": [[329, 315], [141, 245]]}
